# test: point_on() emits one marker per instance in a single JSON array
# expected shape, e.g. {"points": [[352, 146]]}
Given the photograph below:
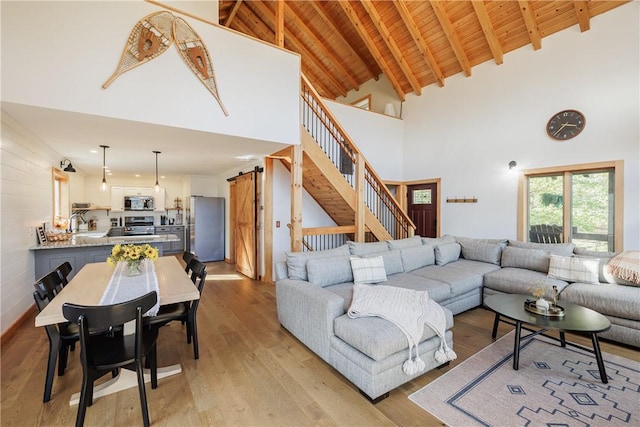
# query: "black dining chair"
{"points": [[187, 257], [50, 284], [184, 311], [64, 270], [61, 337], [103, 350]]}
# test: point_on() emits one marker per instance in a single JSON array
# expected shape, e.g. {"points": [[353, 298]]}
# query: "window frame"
{"points": [[618, 218], [61, 199], [363, 103]]}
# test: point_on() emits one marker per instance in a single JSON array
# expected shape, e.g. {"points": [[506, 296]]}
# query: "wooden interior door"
{"points": [[232, 222], [246, 225], [422, 208]]}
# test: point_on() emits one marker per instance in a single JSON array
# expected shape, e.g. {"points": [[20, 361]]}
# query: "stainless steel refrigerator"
{"points": [[205, 228]]}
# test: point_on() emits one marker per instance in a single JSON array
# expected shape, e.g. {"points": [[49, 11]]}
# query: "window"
{"points": [[364, 103], [60, 195], [580, 204], [422, 197]]}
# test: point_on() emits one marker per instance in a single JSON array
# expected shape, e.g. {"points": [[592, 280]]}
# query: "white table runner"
{"points": [[123, 288]]}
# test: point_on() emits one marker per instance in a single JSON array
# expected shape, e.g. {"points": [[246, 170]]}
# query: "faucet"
{"points": [[80, 218]]}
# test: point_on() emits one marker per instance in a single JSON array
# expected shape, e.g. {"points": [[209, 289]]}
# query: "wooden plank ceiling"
{"points": [[413, 43]]}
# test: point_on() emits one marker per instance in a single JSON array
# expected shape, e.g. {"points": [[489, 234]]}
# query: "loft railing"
{"points": [[322, 238], [338, 146]]}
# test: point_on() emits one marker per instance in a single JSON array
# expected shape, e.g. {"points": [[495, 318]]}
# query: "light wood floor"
{"points": [[251, 372]]}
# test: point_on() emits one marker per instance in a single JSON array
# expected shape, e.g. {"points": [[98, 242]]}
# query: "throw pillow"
{"points": [[485, 252], [416, 257], [603, 272], [446, 253], [404, 243], [367, 248], [563, 249], [435, 241], [531, 259], [392, 261], [626, 266], [572, 269], [329, 271], [297, 261], [368, 270]]}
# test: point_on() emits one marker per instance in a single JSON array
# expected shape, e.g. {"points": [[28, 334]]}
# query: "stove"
{"points": [[138, 225]]}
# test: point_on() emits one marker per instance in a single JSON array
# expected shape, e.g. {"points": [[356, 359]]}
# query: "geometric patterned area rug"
{"points": [[553, 386]]}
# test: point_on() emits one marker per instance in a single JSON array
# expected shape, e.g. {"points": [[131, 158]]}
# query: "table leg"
{"points": [[496, 321], [596, 350], [563, 341], [516, 345]]}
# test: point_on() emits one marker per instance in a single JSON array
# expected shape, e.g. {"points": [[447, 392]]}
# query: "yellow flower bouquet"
{"points": [[133, 255]]}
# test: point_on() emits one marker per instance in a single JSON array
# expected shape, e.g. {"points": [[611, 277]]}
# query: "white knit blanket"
{"points": [[409, 310], [123, 288]]}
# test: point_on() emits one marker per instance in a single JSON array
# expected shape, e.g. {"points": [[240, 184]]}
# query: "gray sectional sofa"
{"points": [[314, 292]]}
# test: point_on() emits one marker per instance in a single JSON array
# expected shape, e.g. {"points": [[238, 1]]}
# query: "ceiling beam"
{"points": [[299, 47], [291, 8], [279, 23], [362, 32], [336, 31], [407, 19], [456, 45], [392, 45], [487, 29], [530, 22], [582, 11], [232, 14]]}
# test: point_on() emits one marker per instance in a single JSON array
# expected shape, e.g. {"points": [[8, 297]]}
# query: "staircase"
{"points": [[338, 177]]}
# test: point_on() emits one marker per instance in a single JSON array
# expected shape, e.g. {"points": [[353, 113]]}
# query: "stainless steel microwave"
{"points": [[138, 203]]}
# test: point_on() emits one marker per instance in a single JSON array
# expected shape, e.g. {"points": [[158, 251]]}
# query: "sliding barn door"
{"points": [[246, 196]]}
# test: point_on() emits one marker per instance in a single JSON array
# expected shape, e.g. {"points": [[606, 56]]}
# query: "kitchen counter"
{"points": [[85, 239], [87, 247]]}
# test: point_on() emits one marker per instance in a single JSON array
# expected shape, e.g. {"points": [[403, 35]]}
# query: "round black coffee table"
{"points": [[576, 319]]}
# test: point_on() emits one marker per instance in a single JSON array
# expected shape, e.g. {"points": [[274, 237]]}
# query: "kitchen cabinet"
{"points": [[48, 259], [117, 199], [138, 191], [118, 193], [80, 251], [178, 230]]}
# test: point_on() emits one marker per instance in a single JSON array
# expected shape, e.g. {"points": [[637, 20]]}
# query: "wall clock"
{"points": [[565, 124]]}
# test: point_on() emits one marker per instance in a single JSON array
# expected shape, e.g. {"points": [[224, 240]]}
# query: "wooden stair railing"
{"points": [[327, 132], [321, 238]]}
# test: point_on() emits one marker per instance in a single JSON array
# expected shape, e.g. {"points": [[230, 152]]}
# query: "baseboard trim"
{"points": [[11, 330]]}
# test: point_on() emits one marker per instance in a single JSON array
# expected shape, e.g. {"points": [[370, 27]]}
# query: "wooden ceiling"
{"points": [[413, 43]]}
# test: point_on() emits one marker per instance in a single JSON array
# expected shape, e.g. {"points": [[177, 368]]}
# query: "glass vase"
{"points": [[134, 268]]}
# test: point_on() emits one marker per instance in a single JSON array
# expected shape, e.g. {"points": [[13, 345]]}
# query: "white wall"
{"points": [[25, 199], [381, 93], [378, 136], [467, 132], [312, 214], [57, 54]]}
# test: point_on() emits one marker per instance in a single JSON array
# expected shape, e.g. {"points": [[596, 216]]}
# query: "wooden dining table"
{"points": [[87, 288]]}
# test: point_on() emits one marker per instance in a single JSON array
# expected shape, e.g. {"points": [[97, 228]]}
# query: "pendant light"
{"points": [[103, 187], [157, 186]]}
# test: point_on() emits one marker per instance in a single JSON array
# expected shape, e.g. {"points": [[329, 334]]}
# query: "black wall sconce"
{"points": [[69, 167], [512, 164]]}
